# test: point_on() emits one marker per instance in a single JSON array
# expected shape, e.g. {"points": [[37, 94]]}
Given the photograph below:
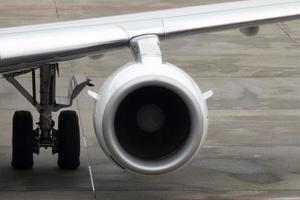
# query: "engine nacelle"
{"points": [[150, 119]]}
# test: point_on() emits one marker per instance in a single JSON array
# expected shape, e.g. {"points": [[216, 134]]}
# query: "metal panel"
{"points": [[28, 46]]}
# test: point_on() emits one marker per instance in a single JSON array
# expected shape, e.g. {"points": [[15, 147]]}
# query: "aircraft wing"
{"points": [[29, 46]]}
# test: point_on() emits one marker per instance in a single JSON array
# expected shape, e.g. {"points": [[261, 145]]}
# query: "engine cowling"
{"points": [[150, 119]]}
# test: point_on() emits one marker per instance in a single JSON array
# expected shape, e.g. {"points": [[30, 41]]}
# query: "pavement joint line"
{"points": [[56, 9], [285, 31], [92, 179], [84, 141], [86, 147]]}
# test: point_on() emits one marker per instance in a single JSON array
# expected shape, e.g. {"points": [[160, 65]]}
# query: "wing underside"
{"points": [[28, 46]]}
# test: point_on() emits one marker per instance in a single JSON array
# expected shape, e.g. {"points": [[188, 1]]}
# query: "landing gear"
{"points": [[69, 140], [66, 140], [22, 142]]}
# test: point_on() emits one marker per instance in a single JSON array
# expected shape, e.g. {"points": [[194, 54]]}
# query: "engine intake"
{"points": [[152, 123]]}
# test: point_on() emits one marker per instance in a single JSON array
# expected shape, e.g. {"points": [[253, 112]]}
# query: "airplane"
{"points": [[150, 116]]}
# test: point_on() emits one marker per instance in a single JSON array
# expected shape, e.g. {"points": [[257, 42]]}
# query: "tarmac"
{"points": [[253, 146]]}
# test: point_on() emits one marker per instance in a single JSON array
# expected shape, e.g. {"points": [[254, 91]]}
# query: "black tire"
{"points": [[22, 140], [69, 140]]}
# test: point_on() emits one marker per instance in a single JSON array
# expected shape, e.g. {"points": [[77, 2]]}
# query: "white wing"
{"points": [[27, 46]]}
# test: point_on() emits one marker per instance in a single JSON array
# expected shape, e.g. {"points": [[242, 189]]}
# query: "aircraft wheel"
{"points": [[69, 140], [22, 140]]}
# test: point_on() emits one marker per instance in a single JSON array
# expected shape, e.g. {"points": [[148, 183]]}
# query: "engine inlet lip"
{"points": [[136, 165]]}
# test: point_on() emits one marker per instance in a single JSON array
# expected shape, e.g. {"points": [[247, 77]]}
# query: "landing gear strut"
{"points": [[66, 140]]}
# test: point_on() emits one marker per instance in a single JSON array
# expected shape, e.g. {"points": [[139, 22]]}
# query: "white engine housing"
{"points": [[170, 80]]}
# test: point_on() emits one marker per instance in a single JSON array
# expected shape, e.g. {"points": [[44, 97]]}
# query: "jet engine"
{"points": [[150, 116], [150, 119]]}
